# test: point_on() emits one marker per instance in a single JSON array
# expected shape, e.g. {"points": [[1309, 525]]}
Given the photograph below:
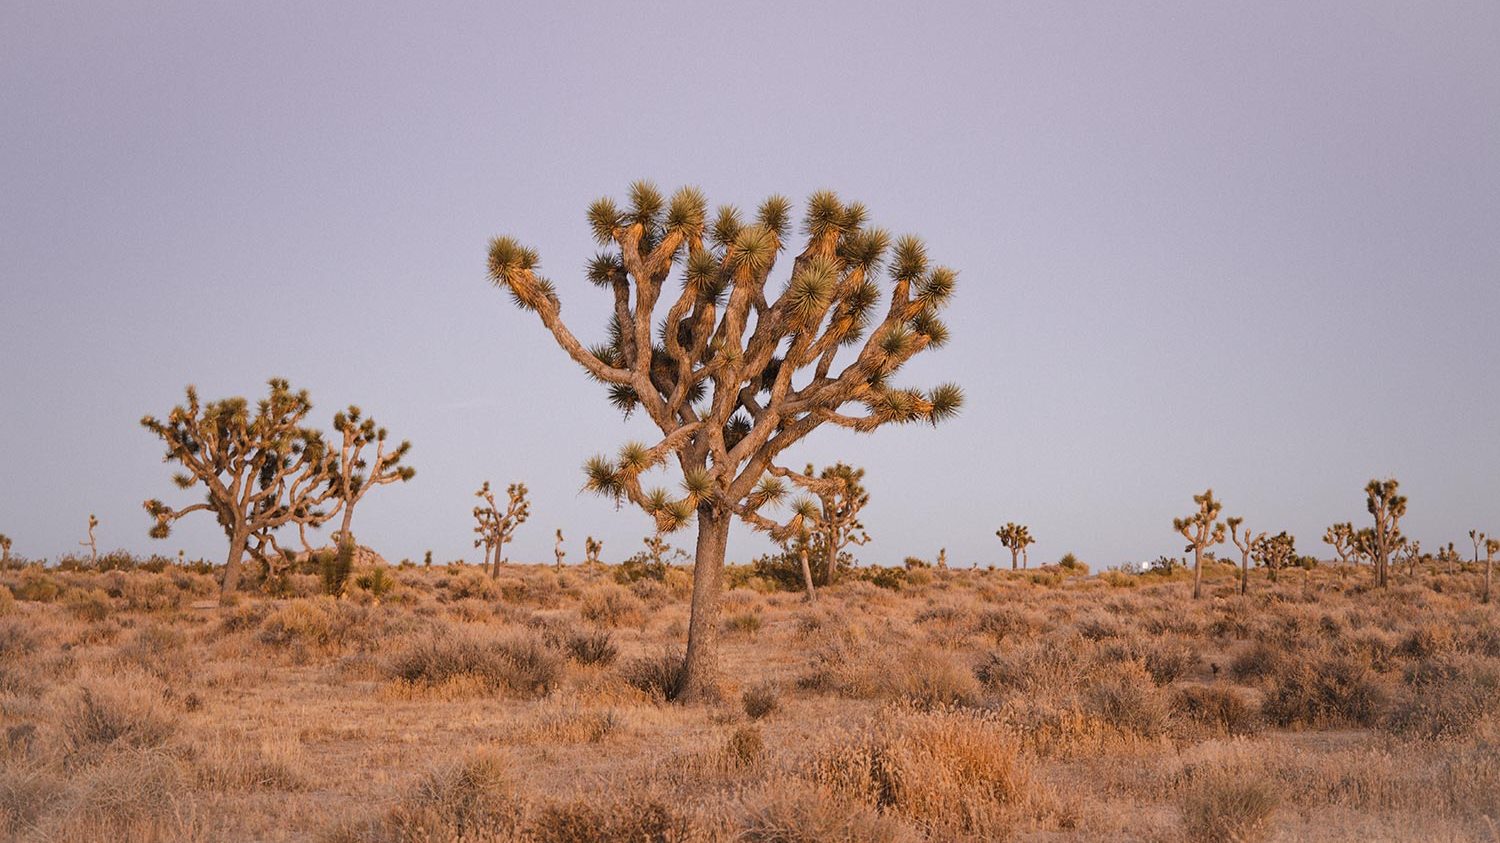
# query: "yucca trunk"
{"points": [[1245, 574], [1015, 557], [495, 566], [237, 543], [700, 669], [1489, 569], [807, 580], [1197, 572]]}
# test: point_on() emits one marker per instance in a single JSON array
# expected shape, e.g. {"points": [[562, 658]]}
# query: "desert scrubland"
{"points": [[444, 703]]}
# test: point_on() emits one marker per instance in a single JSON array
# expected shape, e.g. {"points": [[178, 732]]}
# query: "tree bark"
{"points": [[700, 669], [1197, 572], [232, 567], [1489, 569], [832, 553], [1245, 574], [495, 567], [807, 580], [1014, 559]]}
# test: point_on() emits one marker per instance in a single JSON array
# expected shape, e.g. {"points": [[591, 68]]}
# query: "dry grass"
{"points": [[941, 706]]}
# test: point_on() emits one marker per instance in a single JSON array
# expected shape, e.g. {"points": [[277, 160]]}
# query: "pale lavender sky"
{"points": [[1253, 246]]}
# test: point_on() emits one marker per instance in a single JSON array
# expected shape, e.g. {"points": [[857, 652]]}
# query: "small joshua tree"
{"points": [[1491, 547], [358, 474], [942, 559], [1202, 531], [1341, 537], [592, 547], [1475, 536], [1387, 508], [1016, 538], [93, 546], [1245, 545], [496, 528], [1411, 554], [829, 513], [260, 471], [735, 373], [557, 549], [4, 550], [1275, 552]]}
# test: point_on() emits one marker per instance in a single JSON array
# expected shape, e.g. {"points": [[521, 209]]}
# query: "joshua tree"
{"points": [[1275, 552], [1387, 508], [1341, 537], [592, 547], [1411, 554], [1491, 547], [716, 372], [1245, 545], [832, 521], [4, 550], [942, 559], [796, 538], [557, 549], [427, 559], [93, 546], [1475, 536], [357, 475], [261, 471], [1016, 538], [495, 528], [1202, 531]]}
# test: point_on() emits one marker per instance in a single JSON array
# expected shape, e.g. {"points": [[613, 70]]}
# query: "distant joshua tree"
{"points": [[496, 528], [1387, 508], [261, 471], [1202, 531], [1245, 545], [733, 373], [829, 513], [357, 475], [1016, 538], [592, 547], [93, 545], [942, 559], [1491, 547], [4, 550], [557, 549], [1275, 552], [1341, 538], [427, 559], [1478, 538]]}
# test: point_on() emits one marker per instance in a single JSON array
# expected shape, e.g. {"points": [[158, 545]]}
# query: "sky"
{"points": [[1245, 246]]}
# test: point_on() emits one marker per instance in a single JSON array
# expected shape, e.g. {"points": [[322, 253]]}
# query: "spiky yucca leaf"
{"points": [[604, 218], [601, 477], [811, 290], [865, 249], [624, 398], [946, 400], [774, 214], [910, 259], [928, 325], [604, 268], [727, 226], [635, 458], [824, 215], [687, 212], [754, 250], [937, 288], [698, 484], [645, 204]]}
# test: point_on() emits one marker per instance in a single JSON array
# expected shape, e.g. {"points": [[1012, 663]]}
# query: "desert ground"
{"points": [[969, 704]]}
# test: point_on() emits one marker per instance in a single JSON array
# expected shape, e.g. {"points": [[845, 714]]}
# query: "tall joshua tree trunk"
{"points": [[237, 543], [701, 667], [807, 581]]}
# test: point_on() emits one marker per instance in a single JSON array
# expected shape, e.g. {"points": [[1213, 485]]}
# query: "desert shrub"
{"points": [[1096, 628], [591, 647], [1447, 696], [787, 812], [926, 678], [1128, 700], [131, 794], [92, 605], [1040, 666], [1001, 623], [239, 765], [377, 581], [1169, 659], [575, 725], [611, 605], [1428, 639], [38, 587], [113, 712], [1259, 661], [1217, 707], [1227, 806], [743, 623], [17, 639], [520, 665], [1332, 691], [27, 791], [657, 676], [471, 584], [160, 651], [301, 621], [472, 799], [760, 701], [144, 592], [639, 819], [744, 747], [951, 772], [7, 600]]}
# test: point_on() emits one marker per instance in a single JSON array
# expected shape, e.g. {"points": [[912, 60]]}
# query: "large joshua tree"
{"points": [[1016, 538], [1202, 531], [260, 471], [733, 372], [1246, 545], [1387, 508]]}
